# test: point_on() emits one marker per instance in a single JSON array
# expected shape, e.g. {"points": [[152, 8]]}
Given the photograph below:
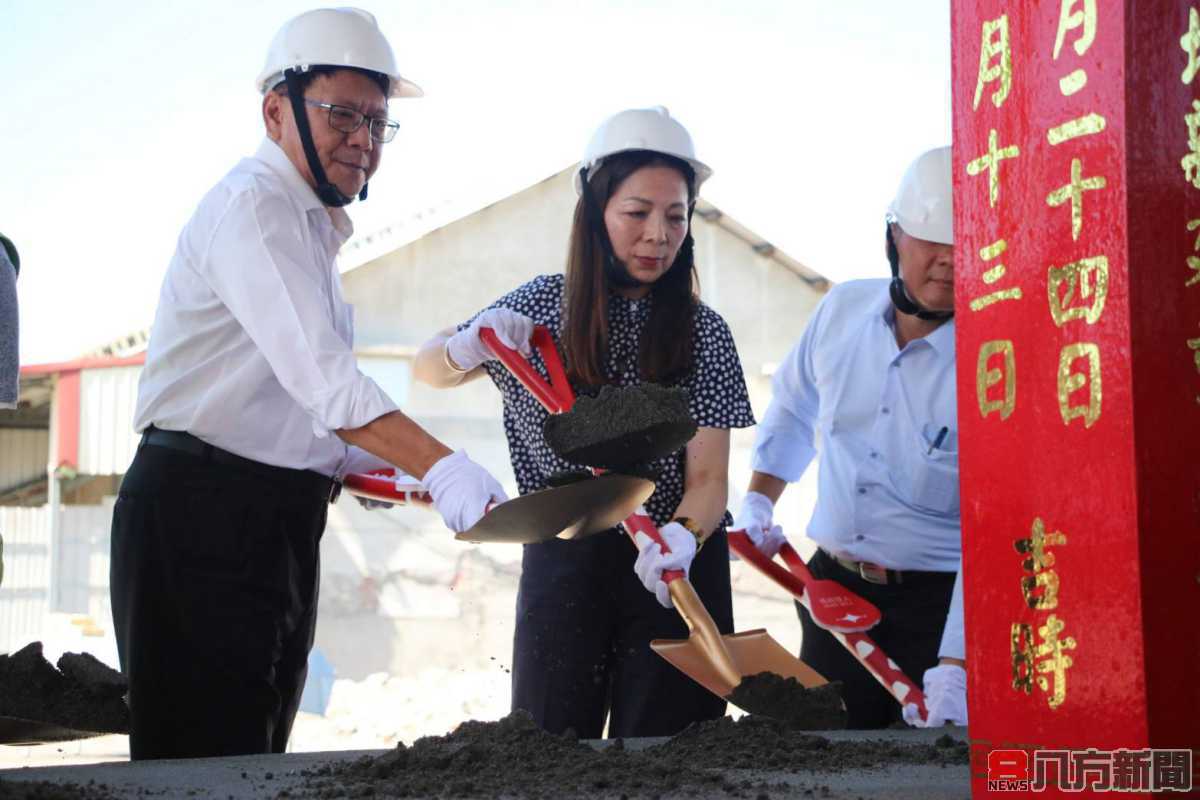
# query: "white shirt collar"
{"points": [[271, 154]]}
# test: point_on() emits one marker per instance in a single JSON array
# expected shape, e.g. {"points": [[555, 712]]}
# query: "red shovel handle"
{"points": [[885, 670], [381, 485], [556, 396], [640, 522]]}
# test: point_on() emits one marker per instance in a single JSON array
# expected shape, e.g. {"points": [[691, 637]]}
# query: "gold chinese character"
{"points": [[1190, 42], [995, 43], [1068, 382], [1021, 647], [1191, 162], [1193, 262], [1068, 20], [986, 378], [1090, 275], [1040, 588], [991, 162], [1073, 191], [987, 253], [1071, 83], [1194, 344], [1056, 662], [1087, 125]]}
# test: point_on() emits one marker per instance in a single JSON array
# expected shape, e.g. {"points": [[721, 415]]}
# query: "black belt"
{"points": [[302, 480], [874, 573]]}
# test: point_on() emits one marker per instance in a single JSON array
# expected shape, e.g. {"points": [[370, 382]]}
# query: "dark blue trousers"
{"points": [[582, 646]]}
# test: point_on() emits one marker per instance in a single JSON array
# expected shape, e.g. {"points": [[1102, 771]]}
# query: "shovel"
{"points": [[620, 427], [832, 606], [799, 582], [716, 662], [566, 512]]}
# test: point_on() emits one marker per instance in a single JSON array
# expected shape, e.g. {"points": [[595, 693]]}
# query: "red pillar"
{"points": [[1077, 232]]}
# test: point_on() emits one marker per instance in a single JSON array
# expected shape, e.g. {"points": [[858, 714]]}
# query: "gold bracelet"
{"points": [[694, 529], [455, 368]]}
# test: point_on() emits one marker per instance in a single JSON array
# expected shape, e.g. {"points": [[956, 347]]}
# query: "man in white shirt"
{"points": [[252, 408], [874, 376]]}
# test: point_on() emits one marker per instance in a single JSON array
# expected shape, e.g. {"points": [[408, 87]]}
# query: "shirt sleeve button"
{"points": [[862, 490]]}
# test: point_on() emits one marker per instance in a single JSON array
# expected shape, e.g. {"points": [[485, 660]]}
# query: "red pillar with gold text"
{"points": [[1077, 233]]}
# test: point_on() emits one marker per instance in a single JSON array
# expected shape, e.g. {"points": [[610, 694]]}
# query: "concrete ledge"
{"points": [[263, 776]]}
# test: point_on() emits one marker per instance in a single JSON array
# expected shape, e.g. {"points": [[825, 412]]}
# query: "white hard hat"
{"points": [[924, 206], [333, 37], [642, 129]]}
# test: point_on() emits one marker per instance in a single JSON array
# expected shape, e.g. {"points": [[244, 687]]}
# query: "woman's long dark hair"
{"points": [[666, 345]]}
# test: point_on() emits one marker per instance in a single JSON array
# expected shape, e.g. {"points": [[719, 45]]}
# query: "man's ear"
{"points": [[274, 114]]}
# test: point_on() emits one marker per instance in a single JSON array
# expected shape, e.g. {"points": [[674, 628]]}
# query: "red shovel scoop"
{"points": [[833, 606]]}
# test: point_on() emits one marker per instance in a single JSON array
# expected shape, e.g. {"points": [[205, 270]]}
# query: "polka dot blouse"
{"points": [[716, 386]]}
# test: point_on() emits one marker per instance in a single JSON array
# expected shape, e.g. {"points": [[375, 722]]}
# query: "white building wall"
{"points": [[107, 399], [23, 455]]}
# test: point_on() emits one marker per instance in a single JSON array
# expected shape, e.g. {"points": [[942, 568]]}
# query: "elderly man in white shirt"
{"points": [[873, 379], [252, 408]]}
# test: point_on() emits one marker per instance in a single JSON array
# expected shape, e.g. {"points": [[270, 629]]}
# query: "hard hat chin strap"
{"points": [[329, 194], [901, 299]]}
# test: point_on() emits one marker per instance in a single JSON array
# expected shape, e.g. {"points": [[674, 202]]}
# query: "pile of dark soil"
{"points": [[82, 694], [622, 426], [786, 699], [514, 758], [42, 790]]}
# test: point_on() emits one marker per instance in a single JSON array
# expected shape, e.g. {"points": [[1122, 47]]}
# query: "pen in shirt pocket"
{"points": [[937, 442]]}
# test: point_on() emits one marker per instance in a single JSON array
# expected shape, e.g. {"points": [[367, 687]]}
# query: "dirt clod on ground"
{"points": [[82, 694], [515, 758], [622, 426], [787, 700]]}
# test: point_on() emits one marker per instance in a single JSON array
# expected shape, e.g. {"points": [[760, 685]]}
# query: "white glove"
{"points": [[461, 490], [755, 519], [651, 563], [945, 698], [514, 330]]}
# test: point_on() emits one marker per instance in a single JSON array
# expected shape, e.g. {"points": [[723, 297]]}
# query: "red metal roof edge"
{"points": [[83, 363]]}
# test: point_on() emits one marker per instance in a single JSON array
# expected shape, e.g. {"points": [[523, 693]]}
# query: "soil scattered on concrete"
{"points": [[43, 790], [786, 699], [515, 758], [622, 426], [82, 694]]}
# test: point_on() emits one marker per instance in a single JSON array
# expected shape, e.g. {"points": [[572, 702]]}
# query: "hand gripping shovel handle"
{"points": [[640, 522], [556, 396]]}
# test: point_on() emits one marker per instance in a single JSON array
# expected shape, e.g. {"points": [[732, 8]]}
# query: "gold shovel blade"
{"points": [[752, 652]]}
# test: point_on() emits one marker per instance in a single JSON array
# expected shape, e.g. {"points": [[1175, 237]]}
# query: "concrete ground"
{"points": [[264, 776]]}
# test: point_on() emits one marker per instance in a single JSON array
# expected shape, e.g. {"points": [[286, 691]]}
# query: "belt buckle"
{"points": [[335, 491], [872, 573]]}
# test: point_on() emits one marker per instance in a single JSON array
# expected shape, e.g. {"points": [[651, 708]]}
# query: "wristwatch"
{"points": [[694, 529]]}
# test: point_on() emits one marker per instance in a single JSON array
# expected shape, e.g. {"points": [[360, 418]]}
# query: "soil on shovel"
{"points": [[622, 426], [82, 694], [514, 758], [787, 700]]}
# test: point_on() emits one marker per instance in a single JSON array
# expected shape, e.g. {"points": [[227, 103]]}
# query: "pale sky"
{"points": [[117, 117]]}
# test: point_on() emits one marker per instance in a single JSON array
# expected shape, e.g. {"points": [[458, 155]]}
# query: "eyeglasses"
{"points": [[348, 120]]}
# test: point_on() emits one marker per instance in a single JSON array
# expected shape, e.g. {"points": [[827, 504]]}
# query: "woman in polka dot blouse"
{"points": [[625, 312]]}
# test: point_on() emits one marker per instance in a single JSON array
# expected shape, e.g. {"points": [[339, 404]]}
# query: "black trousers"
{"points": [[582, 644], [914, 614], [214, 594]]}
